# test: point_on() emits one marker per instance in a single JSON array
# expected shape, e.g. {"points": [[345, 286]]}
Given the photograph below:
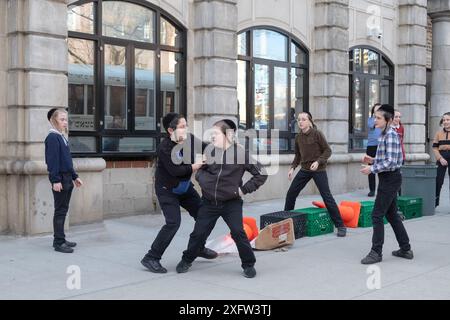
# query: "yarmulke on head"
{"points": [[226, 124], [50, 113], [387, 108], [230, 123]]}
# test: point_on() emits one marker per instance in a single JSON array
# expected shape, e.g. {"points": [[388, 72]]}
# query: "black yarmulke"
{"points": [[387, 108], [230, 123], [50, 113], [168, 118]]}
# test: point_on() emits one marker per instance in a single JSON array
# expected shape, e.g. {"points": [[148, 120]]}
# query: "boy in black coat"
{"points": [[174, 188]]}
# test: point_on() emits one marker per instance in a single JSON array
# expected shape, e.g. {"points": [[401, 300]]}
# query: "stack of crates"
{"points": [[318, 221], [365, 215], [411, 207], [299, 220]]}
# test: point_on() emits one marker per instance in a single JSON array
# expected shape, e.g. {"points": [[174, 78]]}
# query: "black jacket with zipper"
{"points": [[168, 173], [221, 178]]}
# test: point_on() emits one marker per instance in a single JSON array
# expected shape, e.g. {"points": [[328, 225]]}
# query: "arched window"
{"points": [[126, 71], [272, 85], [371, 81]]}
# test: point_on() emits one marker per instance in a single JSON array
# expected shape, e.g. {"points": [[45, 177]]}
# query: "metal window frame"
{"points": [[365, 78], [250, 89], [99, 88]]}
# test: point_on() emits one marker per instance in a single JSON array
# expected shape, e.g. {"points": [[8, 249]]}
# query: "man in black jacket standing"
{"points": [[174, 189]]}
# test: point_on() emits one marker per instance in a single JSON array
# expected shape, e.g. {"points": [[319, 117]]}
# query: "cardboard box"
{"points": [[276, 235]]}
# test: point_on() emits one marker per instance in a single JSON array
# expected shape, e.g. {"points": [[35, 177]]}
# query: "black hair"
{"points": [[388, 115], [171, 120], [372, 111]]}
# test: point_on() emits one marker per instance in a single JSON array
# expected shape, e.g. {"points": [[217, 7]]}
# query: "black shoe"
{"points": [[403, 254], [183, 266], [371, 194], [153, 265], [64, 248], [208, 254], [71, 244], [249, 272], [342, 232], [372, 258]]}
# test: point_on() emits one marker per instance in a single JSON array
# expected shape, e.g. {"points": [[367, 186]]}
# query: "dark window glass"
{"points": [[81, 18], [82, 144], [128, 144], [242, 44], [170, 35], [81, 94], [127, 21], [274, 73], [269, 44], [371, 83], [298, 55], [242, 93], [144, 90], [115, 80]]}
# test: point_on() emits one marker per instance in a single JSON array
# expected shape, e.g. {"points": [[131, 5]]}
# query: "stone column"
{"points": [[329, 82], [37, 81], [411, 75], [329, 85], [214, 66], [439, 12], [3, 89]]}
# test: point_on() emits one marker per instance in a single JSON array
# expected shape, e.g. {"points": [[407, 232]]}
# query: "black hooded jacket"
{"points": [[168, 173], [221, 178]]}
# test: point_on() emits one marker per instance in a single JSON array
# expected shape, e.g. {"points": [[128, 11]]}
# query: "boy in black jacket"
{"points": [[174, 189], [222, 188]]}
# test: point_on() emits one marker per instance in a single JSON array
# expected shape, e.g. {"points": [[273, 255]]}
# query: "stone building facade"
{"points": [[119, 66]]}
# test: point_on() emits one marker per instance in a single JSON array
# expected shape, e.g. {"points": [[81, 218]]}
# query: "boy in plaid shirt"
{"points": [[386, 164]]}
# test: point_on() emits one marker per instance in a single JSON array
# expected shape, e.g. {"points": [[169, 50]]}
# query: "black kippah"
{"points": [[170, 120], [387, 108], [50, 113], [230, 123]]}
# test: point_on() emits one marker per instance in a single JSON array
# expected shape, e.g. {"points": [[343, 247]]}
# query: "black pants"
{"points": [[372, 151], [321, 181], [386, 205], [441, 174], [170, 206], [231, 213], [61, 203]]}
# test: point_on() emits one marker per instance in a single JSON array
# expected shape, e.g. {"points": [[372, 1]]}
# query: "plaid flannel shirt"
{"points": [[389, 153]]}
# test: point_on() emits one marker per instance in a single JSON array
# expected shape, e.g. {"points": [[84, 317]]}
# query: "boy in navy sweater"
{"points": [[62, 176]]}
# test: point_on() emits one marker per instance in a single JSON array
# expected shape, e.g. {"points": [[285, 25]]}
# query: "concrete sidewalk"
{"points": [[324, 267]]}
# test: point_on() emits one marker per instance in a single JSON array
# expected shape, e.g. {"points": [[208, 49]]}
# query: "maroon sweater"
{"points": [[401, 132]]}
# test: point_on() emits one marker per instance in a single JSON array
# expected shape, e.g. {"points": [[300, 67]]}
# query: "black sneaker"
{"points": [[71, 244], [208, 254], [372, 258], [183, 266], [64, 248], [153, 265], [371, 194], [249, 272], [342, 232], [403, 254]]}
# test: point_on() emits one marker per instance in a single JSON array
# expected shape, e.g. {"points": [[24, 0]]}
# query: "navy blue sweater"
{"points": [[58, 158]]}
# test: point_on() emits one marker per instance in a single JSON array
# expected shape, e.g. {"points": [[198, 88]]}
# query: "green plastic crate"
{"points": [[318, 221], [365, 215], [411, 207]]}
